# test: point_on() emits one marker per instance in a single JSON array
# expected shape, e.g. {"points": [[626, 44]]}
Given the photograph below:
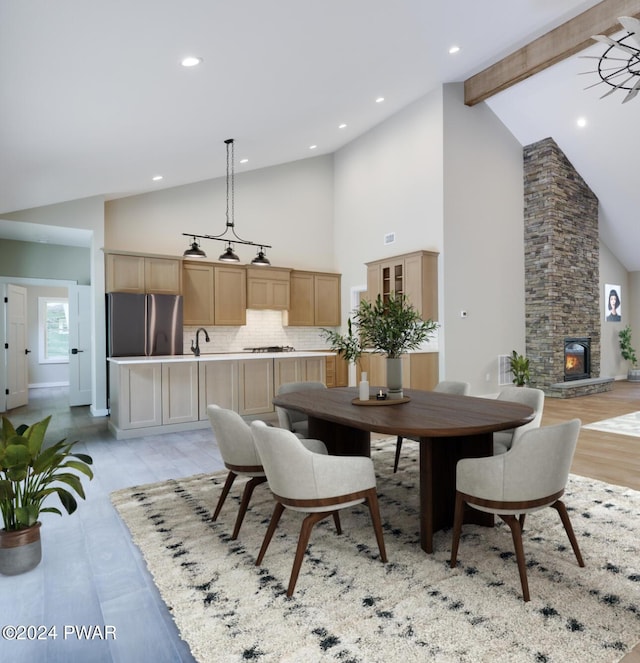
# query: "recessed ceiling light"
{"points": [[379, 100], [312, 147], [191, 61], [244, 160], [342, 126], [581, 122], [157, 178], [454, 49]]}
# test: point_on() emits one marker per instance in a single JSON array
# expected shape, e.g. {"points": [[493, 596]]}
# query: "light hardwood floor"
{"points": [[605, 456]]}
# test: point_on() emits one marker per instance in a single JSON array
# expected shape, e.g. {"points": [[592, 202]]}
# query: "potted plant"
{"points": [[29, 474], [519, 365], [628, 353], [390, 327]]}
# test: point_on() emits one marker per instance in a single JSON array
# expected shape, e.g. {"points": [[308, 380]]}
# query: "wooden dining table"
{"points": [[449, 427]]}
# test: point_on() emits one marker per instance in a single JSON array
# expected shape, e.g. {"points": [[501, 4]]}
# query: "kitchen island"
{"points": [[161, 394]]}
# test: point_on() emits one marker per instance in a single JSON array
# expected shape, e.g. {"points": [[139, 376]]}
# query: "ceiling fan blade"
{"points": [[616, 87], [631, 25], [612, 42], [632, 93]]}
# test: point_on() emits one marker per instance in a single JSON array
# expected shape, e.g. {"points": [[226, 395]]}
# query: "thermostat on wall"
{"points": [[389, 238]]}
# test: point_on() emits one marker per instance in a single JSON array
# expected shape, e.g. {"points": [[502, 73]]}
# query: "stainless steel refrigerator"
{"points": [[143, 325]]}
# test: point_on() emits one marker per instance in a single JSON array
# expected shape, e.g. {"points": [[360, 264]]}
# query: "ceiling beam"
{"points": [[562, 42]]}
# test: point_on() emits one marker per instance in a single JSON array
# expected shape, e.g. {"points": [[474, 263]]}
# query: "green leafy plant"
{"points": [[347, 345], [519, 365], [391, 326], [626, 349], [29, 474]]}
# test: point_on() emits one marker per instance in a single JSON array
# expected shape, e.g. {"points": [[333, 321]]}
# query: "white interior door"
{"points": [[80, 345], [17, 374]]}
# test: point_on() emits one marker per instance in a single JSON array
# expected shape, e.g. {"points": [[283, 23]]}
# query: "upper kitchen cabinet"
{"points": [[126, 272], [268, 288], [197, 293], [315, 299], [214, 294], [413, 274]]}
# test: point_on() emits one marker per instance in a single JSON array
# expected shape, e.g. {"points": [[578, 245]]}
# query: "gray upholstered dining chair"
{"points": [[296, 422], [240, 457], [530, 476], [445, 387], [315, 484], [530, 396]]}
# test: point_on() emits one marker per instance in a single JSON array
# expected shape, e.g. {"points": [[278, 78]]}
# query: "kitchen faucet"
{"points": [[196, 348]]}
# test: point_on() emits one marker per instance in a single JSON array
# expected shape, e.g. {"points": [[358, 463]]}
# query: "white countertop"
{"points": [[221, 356]]}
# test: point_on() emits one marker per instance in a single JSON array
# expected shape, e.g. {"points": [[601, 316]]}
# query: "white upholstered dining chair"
{"points": [[314, 484], [291, 420], [240, 457], [534, 398], [445, 387], [528, 477]]}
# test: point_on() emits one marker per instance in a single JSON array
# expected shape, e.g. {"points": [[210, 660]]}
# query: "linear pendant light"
{"points": [[229, 235]]}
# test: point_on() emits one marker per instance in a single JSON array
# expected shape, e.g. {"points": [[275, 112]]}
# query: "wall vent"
{"points": [[505, 376], [389, 238]]}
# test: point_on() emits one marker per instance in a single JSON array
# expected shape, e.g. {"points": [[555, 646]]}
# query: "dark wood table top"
{"points": [[427, 414]]}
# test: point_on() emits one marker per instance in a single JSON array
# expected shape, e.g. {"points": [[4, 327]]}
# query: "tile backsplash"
{"points": [[263, 328]]}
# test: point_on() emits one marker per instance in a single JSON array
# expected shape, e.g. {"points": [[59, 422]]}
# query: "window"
{"points": [[53, 330]]}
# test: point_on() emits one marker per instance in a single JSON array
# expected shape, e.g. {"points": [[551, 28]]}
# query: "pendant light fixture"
{"points": [[229, 236]]}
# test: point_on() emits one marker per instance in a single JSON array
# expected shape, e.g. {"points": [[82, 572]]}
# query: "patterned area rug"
{"points": [[349, 607], [627, 424]]}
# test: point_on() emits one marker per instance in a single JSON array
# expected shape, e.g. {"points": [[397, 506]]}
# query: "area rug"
{"points": [[627, 424], [350, 607]]}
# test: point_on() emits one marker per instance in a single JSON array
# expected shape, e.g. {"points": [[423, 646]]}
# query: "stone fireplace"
{"points": [[562, 274]]}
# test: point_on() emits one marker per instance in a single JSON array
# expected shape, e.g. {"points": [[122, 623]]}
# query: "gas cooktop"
{"points": [[272, 348]]}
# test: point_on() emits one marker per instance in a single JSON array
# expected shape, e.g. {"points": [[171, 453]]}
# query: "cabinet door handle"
{"points": [[74, 351]]}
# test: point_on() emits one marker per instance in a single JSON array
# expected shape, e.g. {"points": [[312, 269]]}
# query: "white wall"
{"points": [[612, 272], [484, 243], [289, 207], [389, 180]]}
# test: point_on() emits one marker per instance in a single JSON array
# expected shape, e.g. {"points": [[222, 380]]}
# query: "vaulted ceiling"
{"points": [[94, 101]]}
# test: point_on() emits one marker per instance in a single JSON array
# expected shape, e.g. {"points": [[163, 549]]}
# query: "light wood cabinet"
{"points": [[143, 274], [255, 382], [197, 294], [136, 395], [214, 294], [336, 371], [268, 288], [298, 369], [419, 370], [413, 274], [230, 295], [315, 299], [218, 385], [179, 392]]}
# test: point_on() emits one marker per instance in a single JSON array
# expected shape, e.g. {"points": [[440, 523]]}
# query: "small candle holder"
{"points": [[381, 396]]}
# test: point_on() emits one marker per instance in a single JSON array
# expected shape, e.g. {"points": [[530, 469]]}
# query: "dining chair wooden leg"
{"points": [[457, 529], [398, 449], [336, 520], [564, 516], [303, 541], [516, 535], [244, 503], [275, 519], [223, 495], [374, 510]]}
